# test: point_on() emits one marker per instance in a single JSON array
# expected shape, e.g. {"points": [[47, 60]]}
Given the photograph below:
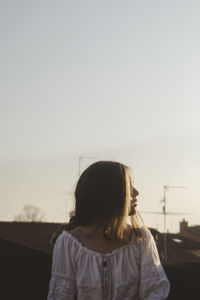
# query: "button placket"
{"points": [[106, 281]]}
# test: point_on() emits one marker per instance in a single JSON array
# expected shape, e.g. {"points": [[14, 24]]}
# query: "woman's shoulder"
{"points": [[64, 239], [66, 243], [145, 232], [130, 232]]}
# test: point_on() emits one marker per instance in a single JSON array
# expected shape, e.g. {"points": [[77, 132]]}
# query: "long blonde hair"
{"points": [[103, 196]]}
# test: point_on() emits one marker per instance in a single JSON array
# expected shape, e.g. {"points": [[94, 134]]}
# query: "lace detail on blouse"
{"points": [[128, 291], [85, 292], [62, 286], [153, 271]]}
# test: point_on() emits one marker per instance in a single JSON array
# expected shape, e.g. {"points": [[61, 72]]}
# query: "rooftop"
{"points": [[37, 236], [29, 234], [194, 229]]}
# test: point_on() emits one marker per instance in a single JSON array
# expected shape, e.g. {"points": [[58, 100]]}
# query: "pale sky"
{"points": [[107, 79]]}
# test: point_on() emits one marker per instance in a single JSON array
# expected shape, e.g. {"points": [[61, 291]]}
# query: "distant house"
{"points": [[192, 233], [182, 246]]}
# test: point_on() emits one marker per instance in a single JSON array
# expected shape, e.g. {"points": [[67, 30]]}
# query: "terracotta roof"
{"points": [[194, 229], [179, 248]]}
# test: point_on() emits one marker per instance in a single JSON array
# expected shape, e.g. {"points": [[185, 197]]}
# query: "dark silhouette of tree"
{"points": [[30, 213]]}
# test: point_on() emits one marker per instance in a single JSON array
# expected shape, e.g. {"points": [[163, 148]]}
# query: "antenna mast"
{"points": [[166, 187]]}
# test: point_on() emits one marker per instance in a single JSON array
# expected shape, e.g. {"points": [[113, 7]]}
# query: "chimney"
{"points": [[183, 225]]}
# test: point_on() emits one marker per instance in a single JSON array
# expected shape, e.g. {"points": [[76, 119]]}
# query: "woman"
{"points": [[105, 252]]}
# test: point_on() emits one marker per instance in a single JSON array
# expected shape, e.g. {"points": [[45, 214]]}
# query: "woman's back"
{"points": [[131, 271]]}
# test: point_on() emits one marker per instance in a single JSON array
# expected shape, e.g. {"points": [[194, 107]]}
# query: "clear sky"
{"points": [[106, 79]]}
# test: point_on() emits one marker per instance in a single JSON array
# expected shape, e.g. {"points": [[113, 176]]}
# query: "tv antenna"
{"points": [[68, 199], [165, 213], [166, 188]]}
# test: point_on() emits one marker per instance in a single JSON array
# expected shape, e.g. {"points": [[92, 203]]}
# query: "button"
{"points": [[105, 264]]}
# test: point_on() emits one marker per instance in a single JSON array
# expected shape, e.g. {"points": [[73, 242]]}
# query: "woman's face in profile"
{"points": [[133, 201], [133, 193]]}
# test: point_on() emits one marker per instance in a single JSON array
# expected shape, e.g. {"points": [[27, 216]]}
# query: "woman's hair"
{"points": [[103, 197]]}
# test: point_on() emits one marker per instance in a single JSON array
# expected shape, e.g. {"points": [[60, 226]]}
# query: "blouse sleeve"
{"points": [[62, 284], [154, 284]]}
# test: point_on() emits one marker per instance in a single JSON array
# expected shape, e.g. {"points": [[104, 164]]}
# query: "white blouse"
{"points": [[132, 272]]}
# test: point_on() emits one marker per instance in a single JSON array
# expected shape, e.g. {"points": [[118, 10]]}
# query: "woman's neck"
{"points": [[93, 238], [96, 231]]}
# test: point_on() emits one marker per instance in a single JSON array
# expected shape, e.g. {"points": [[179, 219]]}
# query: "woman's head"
{"points": [[103, 196]]}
